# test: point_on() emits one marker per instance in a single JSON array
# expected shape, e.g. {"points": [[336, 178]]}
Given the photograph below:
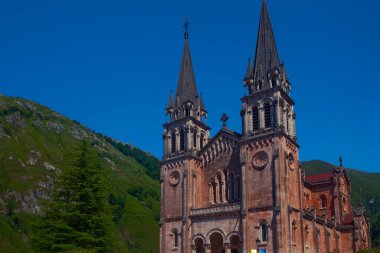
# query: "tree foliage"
{"points": [[150, 163], [375, 232], [77, 218]]}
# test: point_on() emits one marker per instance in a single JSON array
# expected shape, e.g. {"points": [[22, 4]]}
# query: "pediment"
{"points": [[225, 141]]}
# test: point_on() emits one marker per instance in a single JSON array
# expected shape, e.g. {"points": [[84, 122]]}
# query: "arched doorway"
{"points": [[199, 245], [216, 241], [235, 244]]}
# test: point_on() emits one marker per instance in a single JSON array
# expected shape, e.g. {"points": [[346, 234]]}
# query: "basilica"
{"points": [[247, 192]]}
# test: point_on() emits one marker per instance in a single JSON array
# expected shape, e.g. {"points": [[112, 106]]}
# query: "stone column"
{"points": [[249, 121], [217, 193], [227, 247], [284, 117], [198, 140], [294, 125], [211, 193], [224, 188], [261, 117]]}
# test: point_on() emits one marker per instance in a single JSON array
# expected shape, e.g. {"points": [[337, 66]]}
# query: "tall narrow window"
{"points": [[175, 235], [238, 186], [294, 231], [267, 116], [264, 237], [232, 185], [195, 138], [182, 140], [255, 119], [323, 202], [187, 111], [201, 140], [173, 142]]}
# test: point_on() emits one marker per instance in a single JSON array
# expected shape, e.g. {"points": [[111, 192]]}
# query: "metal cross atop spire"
{"points": [[186, 26]]}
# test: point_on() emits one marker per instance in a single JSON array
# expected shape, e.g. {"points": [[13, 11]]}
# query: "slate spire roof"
{"points": [[266, 56], [186, 87]]}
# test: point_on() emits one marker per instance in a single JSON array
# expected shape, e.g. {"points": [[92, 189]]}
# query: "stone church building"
{"points": [[246, 192]]}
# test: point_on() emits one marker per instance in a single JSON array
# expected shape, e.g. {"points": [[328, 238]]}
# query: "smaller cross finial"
{"points": [[340, 161], [186, 26], [224, 119]]}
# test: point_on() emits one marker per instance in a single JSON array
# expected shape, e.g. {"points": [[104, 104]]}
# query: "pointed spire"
{"points": [[170, 104], [266, 57], [249, 72], [202, 103], [186, 88]]}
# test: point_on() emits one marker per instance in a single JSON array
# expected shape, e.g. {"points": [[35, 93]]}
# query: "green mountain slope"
{"points": [[36, 144], [365, 187]]}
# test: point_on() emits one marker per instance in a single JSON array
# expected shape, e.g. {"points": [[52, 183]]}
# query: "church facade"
{"points": [[247, 192]]}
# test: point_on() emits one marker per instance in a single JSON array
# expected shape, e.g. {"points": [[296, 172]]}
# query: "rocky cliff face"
{"points": [[37, 144]]}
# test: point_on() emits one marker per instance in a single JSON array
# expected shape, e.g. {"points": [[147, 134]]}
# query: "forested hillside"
{"points": [[38, 144]]}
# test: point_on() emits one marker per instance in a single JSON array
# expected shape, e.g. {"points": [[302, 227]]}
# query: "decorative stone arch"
{"points": [[197, 236], [231, 234], [215, 230]]}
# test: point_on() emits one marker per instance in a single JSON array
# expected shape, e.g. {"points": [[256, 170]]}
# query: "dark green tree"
{"points": [[375, 231], [77, 218]]}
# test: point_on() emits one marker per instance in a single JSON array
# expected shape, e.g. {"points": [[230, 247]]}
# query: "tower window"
{"points": [[175, 235], [195, 139], [238, 186], [182, 140], [267, 117], [255, 119], [201, 140], [232, 185], [323, 202], [187, 111], [173, 142]]}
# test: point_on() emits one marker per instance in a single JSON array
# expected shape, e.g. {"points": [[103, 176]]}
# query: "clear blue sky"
{"points": [[111, 64]]}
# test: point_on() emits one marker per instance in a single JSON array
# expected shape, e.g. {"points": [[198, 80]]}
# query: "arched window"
{"points": [[323, 202], [255, 119], [267, 115], [175, 237], [182, 140], [199, 245], [173, 142], [201, 140], [264, 232]]}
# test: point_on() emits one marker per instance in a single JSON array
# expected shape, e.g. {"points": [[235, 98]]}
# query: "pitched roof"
{"points": [[319, 177], [266, 56]]}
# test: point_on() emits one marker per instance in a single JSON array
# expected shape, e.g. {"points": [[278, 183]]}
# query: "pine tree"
{"points": [[76, 219]]}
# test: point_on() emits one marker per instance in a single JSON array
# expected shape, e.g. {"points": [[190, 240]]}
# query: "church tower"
{"points": [[185, 134], [271, 201], [246, 192]]}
